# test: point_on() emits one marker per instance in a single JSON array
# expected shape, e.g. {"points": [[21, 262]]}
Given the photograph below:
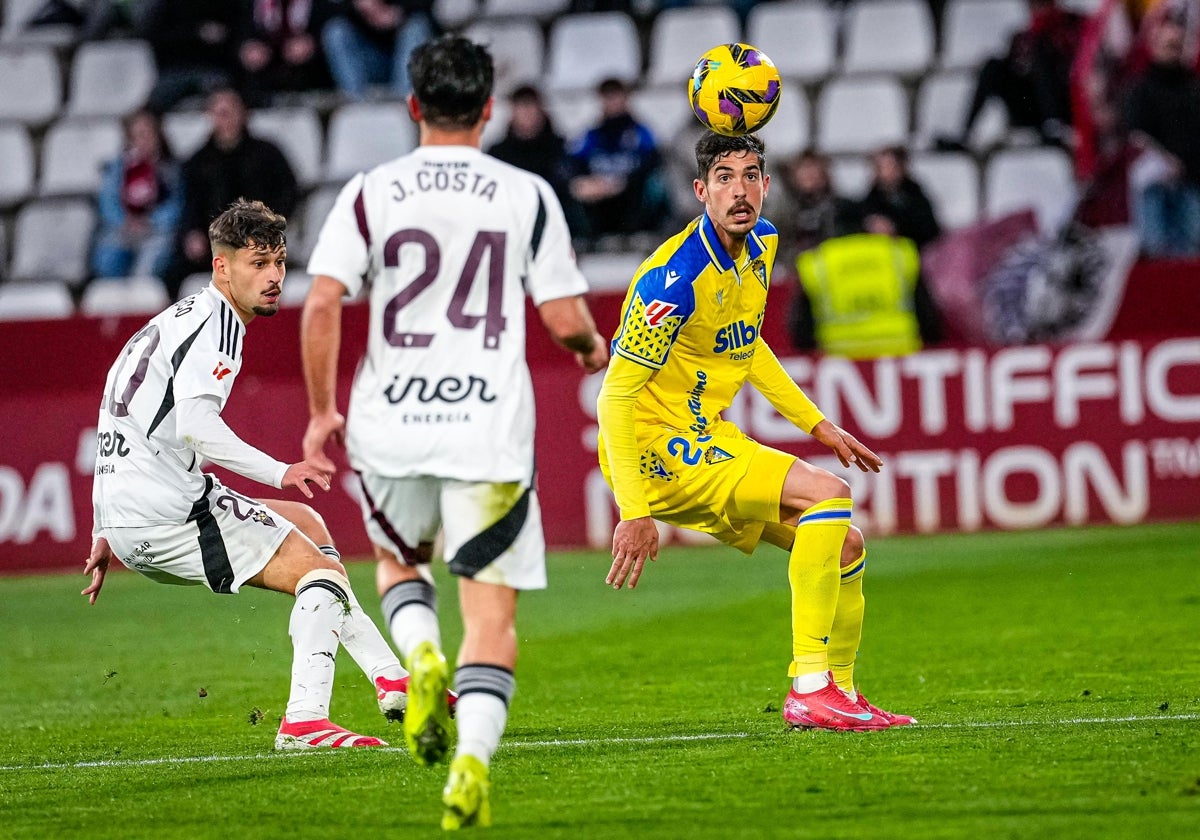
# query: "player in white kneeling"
{"points": [[156, 511]]}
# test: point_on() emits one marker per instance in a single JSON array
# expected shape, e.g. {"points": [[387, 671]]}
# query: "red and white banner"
{"points": [[1020, 437]]}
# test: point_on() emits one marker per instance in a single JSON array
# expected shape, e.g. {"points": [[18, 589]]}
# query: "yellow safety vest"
{"points": [[861, 291]]}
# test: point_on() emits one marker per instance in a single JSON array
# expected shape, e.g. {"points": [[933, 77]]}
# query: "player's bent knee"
{"points": [[324, 575], [852, 547], [828, 486]]}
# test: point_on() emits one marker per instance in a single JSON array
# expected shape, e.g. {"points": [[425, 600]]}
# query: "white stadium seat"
{"points": [[111, 78], [851, 176], [74, 153], [124, 296], [17, 12], [186, 131], [35, 300], [664, 110], [975, 30], [680, 36], [516, 47], [316, 208], [295, 288], [889, 36], [16, 173], [573, 114], [942, 101], [51, 240], [452, 14], [1039, 178], [859, 114], [194, 283], [585, 49], [298, 134], [363, 135], [800, 36], [610, 271], [538, 9], [952, 183], [790, 130], [31, 91]]}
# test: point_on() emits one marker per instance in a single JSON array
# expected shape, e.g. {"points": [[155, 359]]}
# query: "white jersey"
{"points": [[145, 473], [449, 241]]}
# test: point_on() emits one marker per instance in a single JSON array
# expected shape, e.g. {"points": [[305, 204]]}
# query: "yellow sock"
{"points": [[813, 574], [847, 624]]}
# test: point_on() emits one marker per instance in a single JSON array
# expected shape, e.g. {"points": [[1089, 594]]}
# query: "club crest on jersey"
{"points": [[263, 518], [221, 371], [715, 455], [656, 310], [759, 269]]}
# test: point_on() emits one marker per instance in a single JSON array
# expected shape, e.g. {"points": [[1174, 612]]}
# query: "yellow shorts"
{"points": [[723, 482]]}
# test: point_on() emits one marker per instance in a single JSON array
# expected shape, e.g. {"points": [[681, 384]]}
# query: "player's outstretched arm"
{"points": [[846, 446], [570, 323], [96, 565], [320, 342]]}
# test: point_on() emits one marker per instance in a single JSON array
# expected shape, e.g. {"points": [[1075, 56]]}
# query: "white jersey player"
{"points": [[156, 511], [449, 242]]}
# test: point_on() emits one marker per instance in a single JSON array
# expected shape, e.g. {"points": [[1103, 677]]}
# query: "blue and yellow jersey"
{"points": [[694, 315]]}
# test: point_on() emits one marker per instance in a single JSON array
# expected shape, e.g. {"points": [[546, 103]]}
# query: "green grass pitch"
{"points": [[1055, 675]]}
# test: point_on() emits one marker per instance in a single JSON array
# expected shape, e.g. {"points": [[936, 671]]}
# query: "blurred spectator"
{"points": [[897, 197], [279, 47], [818, 213], [532, 144], [862, 296], [1033, 79], [230, 165], [140, 204], [368, 42], [1163, 114], [616, 169], [193, 47]]}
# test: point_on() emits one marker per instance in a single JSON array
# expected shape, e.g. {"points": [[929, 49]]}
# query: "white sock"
{"points": [[808, 683], [484, 692], [367, 646], [410, 608], [314, 624]]}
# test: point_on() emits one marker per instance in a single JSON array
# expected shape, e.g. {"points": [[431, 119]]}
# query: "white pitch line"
{"points": [[581, 742]]}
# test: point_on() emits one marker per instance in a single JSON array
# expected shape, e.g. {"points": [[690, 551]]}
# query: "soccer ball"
{"points": [[734, 89]]}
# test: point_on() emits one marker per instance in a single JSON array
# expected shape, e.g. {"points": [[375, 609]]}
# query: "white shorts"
{"points": [[492, 532], [227, 539]]}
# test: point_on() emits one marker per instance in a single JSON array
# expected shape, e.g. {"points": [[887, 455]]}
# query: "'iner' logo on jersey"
{"points": [[735, 336]]}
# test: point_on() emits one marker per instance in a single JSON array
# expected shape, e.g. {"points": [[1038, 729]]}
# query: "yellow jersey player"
{"points": [[690, 337]]}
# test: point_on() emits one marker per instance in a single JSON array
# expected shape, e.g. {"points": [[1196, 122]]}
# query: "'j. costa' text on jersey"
{"points": [[449, 241], [695, 314]]}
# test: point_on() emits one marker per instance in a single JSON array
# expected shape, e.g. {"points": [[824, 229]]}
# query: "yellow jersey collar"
{"points": [[716, 251]]}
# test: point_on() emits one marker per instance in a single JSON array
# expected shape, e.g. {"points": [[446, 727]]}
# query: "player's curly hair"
{"points": [[711, 147], [452, 80], [244, 223]]}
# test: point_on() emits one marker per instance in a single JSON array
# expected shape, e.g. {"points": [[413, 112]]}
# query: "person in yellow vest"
{"points": [[865, 296]]}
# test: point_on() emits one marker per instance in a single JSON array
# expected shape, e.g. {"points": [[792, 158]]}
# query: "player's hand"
{"points": [[846, 446], [596, 360], [633, 541], [300, 474], [96, 565], [320, 429]]}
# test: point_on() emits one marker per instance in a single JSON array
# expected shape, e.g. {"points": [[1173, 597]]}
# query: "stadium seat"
{"points": [[664, 110], [535, 9], [452, 14], [679, 37], [295, 288], [851, 176], [17, 12], [858, 114], [800, 36], [1040, 178], [942, 101], [31, 91], [585, 49], [363, 135], [975, 30], [316, 208], [610, 271], [186, 131], [35, 300], [888, 36], [297, 132], [74, 152], [573, 114], [194, 283], [790, 130], [51, 240], [952, 183], [110, 78], [124, 296], [16, 174], [516, 46]]}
